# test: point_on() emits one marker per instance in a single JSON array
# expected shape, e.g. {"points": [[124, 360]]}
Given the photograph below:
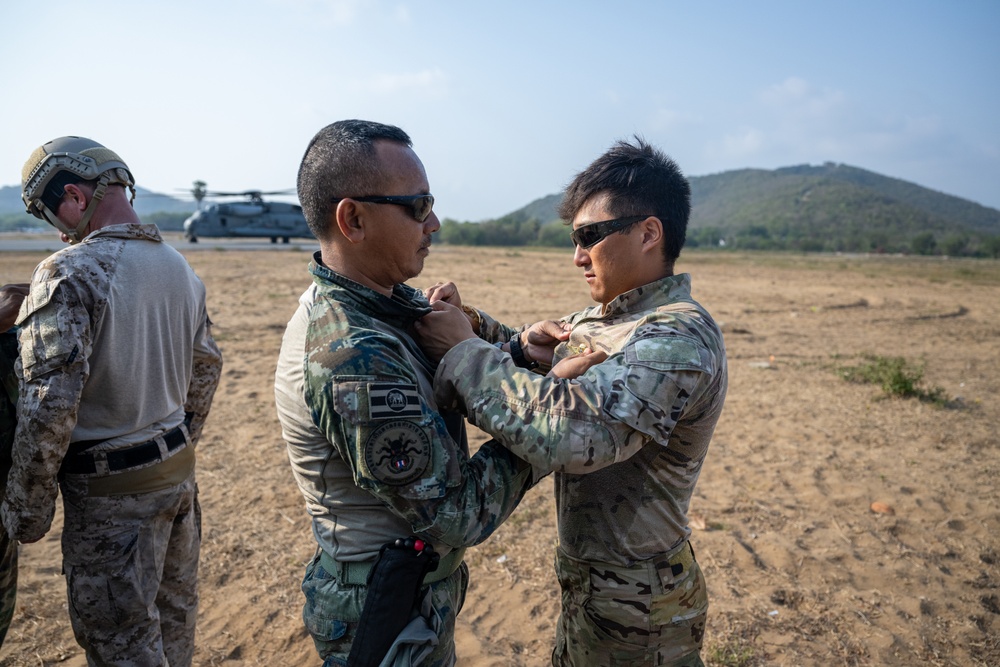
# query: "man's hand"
{"points": [[443, 329], [573, 367], [540, 339], [11, 297], [447, 292]]}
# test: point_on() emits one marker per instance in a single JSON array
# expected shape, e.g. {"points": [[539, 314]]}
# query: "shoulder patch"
{"points": [[666, 352], [397, 452], [391, 400]]}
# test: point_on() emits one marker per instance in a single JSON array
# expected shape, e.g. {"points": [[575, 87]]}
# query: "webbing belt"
{"points": [[78, 462], [356, 573]]}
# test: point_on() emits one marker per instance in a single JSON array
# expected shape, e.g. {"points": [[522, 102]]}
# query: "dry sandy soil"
{"points": [[801, 570]]}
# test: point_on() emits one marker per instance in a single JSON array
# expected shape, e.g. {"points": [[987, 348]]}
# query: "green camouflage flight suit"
{"points": [[377, 460], [8, 423], [626, 440], [115, 349]]}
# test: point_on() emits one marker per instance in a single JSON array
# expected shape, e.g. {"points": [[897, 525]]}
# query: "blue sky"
{"points": [[505, 102]]}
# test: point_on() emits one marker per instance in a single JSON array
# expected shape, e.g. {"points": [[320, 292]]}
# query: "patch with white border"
{"points": [[397, 452], [392, 400]]}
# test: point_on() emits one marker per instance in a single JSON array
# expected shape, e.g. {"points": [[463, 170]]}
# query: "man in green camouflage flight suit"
{"points": [[372, 453], [627, 439], [11, 297], [117, 373]]}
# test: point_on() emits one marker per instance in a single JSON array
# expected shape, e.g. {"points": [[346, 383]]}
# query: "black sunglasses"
{"points": [[595, 232], [420, 205]]}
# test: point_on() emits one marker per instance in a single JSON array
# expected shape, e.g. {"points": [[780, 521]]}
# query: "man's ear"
{"points": [[347, 216], [652, 233], [76, 196]]}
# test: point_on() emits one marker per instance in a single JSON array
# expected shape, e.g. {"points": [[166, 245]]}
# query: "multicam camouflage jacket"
{"points": [[115, 345], [384, 442], [626, 439]]}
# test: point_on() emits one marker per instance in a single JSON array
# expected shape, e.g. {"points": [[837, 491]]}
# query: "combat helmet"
{"points": [[66, 160]]}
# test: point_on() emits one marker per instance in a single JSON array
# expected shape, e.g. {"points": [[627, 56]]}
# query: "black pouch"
{"points": [[393, 591]]}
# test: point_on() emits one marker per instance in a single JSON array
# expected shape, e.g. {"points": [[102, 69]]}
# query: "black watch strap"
{"points": [[517, 353]]}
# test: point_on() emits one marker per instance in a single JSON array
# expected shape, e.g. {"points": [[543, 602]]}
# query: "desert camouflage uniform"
{"points": [[8, 422], [627, 441], [375, 458], [115, 349]]}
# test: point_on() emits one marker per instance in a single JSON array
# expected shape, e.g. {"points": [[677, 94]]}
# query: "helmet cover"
{"points": [[66, 160]]}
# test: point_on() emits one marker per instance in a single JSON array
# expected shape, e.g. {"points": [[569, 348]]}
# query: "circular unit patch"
{"points": [[397, 452]]}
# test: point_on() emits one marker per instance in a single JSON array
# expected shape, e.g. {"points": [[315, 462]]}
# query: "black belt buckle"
{"points": [[84, 463]]}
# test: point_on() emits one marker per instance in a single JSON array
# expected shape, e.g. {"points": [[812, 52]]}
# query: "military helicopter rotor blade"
{"points": [[249, 193]]}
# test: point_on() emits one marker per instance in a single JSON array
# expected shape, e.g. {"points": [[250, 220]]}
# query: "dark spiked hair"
{"points": [[635, 179]]}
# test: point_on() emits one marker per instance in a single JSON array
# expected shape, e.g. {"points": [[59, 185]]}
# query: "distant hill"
{"points": [[832, 207]]}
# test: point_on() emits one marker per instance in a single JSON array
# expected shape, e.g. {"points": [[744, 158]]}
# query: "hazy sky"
{"points": [[506, 101]]}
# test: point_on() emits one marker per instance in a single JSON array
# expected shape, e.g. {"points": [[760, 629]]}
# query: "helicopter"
{"points": [[253, 218]]}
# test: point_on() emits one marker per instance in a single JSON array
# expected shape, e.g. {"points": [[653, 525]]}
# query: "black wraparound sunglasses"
{"points": [[595, 232], [420, 205]]}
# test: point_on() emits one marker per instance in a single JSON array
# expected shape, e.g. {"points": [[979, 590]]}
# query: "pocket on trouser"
{"points": [[331, 612], [680, 616], [104, 581]]}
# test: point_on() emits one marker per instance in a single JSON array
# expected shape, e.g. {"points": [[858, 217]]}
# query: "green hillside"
{"points": [[832, 207], [829, 208]]}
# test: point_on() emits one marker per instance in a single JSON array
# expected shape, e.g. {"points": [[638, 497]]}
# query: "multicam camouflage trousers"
{"points": [[333, 608], [8, 581], [650, 614], [131, 565]]}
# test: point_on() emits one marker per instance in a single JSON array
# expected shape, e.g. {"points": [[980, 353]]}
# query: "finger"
{"points": [[440, 306], [558, 330]]}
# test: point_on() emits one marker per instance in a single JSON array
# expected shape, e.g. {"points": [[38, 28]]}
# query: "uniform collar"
{"points": [[671, 288], [130, 230], [406, 305]]}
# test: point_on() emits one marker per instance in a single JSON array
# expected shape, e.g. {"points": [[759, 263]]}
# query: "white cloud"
{"points": [[326, 12], [797, 97], [738, 147]]}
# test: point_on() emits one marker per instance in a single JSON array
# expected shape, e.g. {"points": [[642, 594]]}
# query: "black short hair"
{"points": [[340, 161], [636, 179]]}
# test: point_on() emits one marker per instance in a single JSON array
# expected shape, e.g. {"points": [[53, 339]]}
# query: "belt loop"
{"points": [[161, 444], [183, 426], [101, 464]]}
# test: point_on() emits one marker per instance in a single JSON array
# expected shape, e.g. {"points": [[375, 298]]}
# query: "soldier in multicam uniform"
{"points": [[627, 439], [11, 297], [373, 455], [118, 370]]}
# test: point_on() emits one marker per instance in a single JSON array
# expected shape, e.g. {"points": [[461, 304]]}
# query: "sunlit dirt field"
{"points": [[801, 570]]}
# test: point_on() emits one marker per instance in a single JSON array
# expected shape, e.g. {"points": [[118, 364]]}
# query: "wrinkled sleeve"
{"points": [[365, 398], [205, 373], [492, 330], [575, 426], [56, 342]]}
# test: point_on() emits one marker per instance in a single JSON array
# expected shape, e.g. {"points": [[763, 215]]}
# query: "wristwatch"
{"points": [[517, 354]]}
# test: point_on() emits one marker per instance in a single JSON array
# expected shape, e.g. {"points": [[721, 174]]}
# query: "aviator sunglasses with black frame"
{"points": [[593, 233], [420, 205]]}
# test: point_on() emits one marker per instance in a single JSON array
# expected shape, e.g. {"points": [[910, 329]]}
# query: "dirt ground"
{"points": [[800, 569]]}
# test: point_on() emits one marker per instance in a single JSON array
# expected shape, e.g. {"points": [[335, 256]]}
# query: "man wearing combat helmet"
{"points": [[118, 369]]}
